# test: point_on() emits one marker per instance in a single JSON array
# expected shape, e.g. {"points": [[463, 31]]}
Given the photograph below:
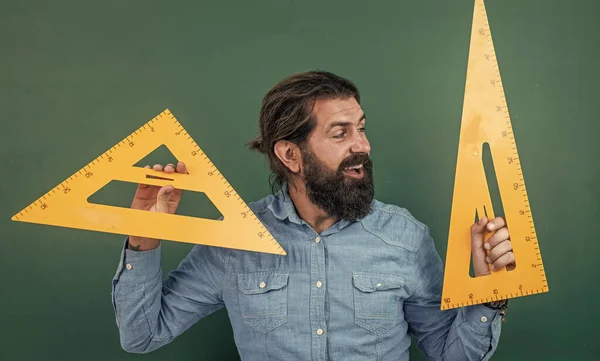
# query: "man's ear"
{"points": [[289, 154]]}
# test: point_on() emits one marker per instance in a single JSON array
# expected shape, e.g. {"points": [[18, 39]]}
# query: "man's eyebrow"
{"points": [[344, 123]]}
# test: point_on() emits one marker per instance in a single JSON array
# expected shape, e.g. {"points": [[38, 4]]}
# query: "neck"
{"points": [[307, 211]]}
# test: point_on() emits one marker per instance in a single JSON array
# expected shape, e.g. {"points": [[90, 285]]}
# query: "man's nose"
{"points": [[361, 145]]}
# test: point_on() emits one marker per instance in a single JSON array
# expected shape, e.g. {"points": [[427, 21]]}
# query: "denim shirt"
{"points": [[357, 291]]}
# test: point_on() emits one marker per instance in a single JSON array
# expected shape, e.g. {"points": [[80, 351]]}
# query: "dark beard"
{"points": [[339, 196]]}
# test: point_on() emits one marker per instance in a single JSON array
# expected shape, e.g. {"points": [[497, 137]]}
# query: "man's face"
{"points": [[336, 167]]}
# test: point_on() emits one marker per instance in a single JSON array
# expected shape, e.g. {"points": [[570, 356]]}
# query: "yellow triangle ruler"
{"points": [[486, 119], [66, 205]]}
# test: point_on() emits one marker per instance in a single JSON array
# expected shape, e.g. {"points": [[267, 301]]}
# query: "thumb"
{"points": [[478, 228], [479, 254], [163, 197]]}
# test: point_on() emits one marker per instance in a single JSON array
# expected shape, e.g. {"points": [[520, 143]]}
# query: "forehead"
{"points": [[327, 111]]}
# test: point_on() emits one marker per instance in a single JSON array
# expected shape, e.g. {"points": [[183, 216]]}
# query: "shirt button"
{"points": [[319, 332], [319, 284], [128, 266], [483, 319], [262, 285], [318, 239]]}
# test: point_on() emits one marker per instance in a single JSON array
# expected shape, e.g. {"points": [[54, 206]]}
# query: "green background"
{"points": [[76, 77]]}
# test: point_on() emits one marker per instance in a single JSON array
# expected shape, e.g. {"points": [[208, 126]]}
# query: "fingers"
{"points": [[499, 245], [496, 223], [499, 251], [181, 168], [506, 259], [501, 235], [170, 168]]}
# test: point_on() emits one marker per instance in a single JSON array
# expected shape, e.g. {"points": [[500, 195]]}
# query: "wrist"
{"points": [[496, 305], [141, 244]]}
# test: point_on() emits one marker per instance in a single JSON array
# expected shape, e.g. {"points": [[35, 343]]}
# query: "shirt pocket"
{"points": [[263, 299], [376, 301]]}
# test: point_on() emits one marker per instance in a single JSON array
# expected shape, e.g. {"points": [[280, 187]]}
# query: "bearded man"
{"points": [[360, 276]]}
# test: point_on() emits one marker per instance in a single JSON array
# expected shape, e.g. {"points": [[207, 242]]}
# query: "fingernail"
{"points": [[487, 246], [490, 226]]}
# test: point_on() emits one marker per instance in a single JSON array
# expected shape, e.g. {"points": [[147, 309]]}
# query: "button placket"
{"points": [[317, 298]]}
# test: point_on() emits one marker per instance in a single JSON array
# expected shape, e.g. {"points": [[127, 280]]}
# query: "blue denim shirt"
{"points": [[357, 291]]}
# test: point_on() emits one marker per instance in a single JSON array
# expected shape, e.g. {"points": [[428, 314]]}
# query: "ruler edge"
{"points": [[545, 288]]}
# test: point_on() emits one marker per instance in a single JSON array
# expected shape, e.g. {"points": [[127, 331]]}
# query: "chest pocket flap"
{"points": [[255, 283], [372, 282]]}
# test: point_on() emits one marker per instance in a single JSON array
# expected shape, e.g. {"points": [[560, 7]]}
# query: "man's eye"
{"points": [[339, 135], [363, 129]]}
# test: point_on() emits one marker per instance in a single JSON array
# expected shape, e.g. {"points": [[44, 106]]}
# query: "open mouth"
{"points": [[356, 171]]}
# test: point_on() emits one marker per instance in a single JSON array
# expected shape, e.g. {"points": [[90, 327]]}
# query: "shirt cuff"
{"points": [[481, 318], [138, 266]]}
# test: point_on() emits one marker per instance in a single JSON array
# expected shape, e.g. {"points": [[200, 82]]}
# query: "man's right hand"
{"points": [[155, 199]]}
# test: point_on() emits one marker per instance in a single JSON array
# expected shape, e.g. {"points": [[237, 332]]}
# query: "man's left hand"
{"points": [[498, 245]]}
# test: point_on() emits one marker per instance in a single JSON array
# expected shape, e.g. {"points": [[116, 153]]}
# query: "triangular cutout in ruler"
{"points": [[486, 119], [66, 205]]}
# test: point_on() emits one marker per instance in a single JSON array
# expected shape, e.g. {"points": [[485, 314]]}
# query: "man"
{"points": [[359, 277]]}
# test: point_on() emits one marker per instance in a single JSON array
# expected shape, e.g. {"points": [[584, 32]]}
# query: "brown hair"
{"points": [[286, 113]]}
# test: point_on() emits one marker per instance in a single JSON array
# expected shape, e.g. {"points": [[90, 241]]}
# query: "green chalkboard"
{"points": [[76, 77]]}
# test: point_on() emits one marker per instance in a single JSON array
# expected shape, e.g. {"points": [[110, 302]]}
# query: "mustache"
{"points": [[354, 160]]}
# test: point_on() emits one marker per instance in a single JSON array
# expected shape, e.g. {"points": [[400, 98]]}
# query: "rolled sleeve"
{"points": [[135, 267], [484, 322]]}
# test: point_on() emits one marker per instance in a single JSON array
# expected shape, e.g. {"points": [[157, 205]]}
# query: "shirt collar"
{"points": [[283, 207]]}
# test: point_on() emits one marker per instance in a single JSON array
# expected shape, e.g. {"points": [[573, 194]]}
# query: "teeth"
{"points": [[355, 167]]}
